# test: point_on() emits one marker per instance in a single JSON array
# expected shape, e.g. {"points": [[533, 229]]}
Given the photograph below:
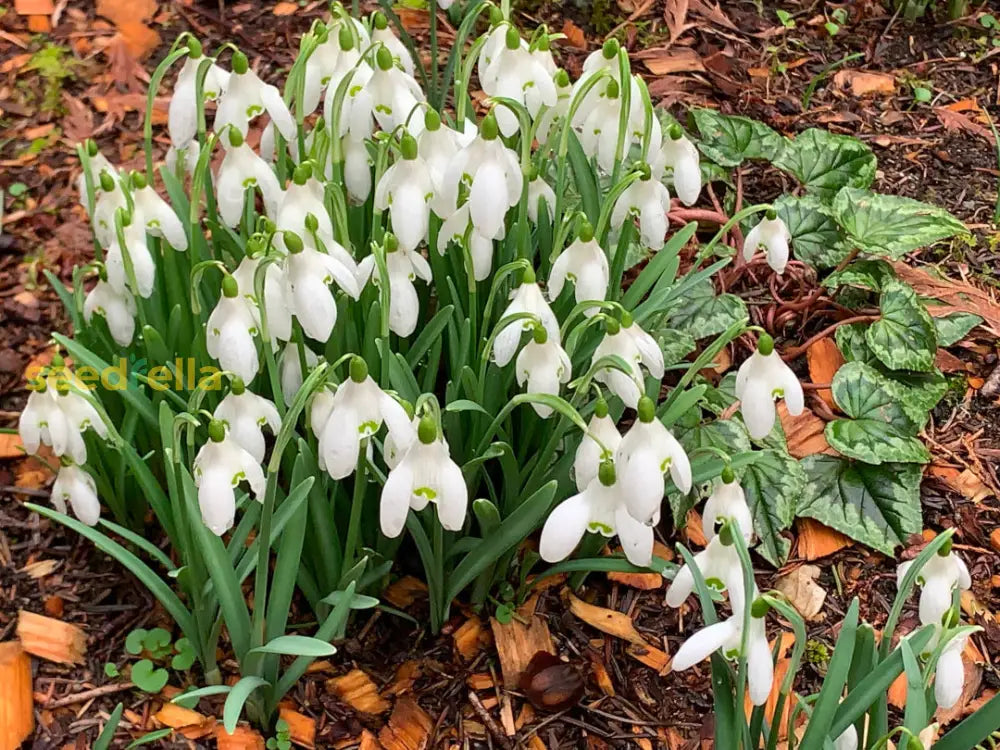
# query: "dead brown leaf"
{"points": [[955, 296], [662, 62], [644, 581], [608, 621], [800, 588], [34, 7], [816, 540], [574, 35], [956, 121], [864, 83], [11, 446], [965, 482], [123, 11], [712, 13], [285, 9], [824, 360], [804, 433], [675, 15]]}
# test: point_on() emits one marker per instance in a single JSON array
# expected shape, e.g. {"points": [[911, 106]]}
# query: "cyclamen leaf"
{"points": [[863, 393], [904, 337], [773, 483], [852, 344], [729, 139], [875, 441], [890, 225], [817, 239], [701, 313], [878, 506], [870, 274], [825, 162], [676, 345], [725, 434], [953, 327]]}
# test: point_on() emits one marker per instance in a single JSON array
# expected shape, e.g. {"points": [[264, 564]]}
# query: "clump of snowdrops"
{"points": [[354, 315]]}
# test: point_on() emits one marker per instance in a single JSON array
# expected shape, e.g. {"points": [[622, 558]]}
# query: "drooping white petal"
{"points": [[702, 644], [564, 529]]}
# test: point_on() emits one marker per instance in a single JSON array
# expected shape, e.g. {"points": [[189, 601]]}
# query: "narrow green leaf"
{"points": [[237, 698], [103, 741], [296, 645]]}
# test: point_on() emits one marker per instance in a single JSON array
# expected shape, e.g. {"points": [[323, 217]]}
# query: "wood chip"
{"points": [[644, 581], [408, 728], [864, 83], [51, 639], [574, 35], [358, 691], [174, 716], [469, 638], [368, 741], [17, 718], [657, 660], [693, 531], [824, 359], [301, 728], [816, 540], [480, 681], [610, 621], [804, 433], [242, 738], [34, 7], [601, 677], [966, 482], [11, 446], [516, 642], [285, 9], [406, 675], [402, 593]]}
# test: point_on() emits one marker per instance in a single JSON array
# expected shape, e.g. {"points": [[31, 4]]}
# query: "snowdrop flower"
{"points": [[425, 474], [302, 212], [771, 234], [719, 564], [399, 438], [75, 486], [600, 508], [649, 200], [455, 229], [598, 130], [97, 163], [585, 264], [628, 341], [403, 268], [182, 114], [550, 117], [682, 156], [516, 73], [230, 331], [245, 414], [247, 96], [394, 94], [541, 366], [241, 169], [219, 467], [308, 273], [437, 146], [382, 33], [949, 678], [117, 308], [527, 298], [494, 175], [157, 215], [727, 502], [109, 198], [539, 191], [938, 580], [279, 315], [760, 380], [354, 413], [405, 190], [599, 444], [143, 267], [727, 637], [337, 53], [646, 453], [57, 415], [357, 169], [848, 739], [291, 369]]}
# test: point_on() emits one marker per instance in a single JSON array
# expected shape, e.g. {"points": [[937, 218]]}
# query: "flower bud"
{"points": [[759, 608], [543, 43], [293, 242], [346, 38], [235, 137], [675, 132], [771, 214], [230, 288], [138, 180], [427, 430], [488, 128], [107, 181], [562, 78], [237, 387], [496, 15], [606, 473], [610, 49], [612, 326], [586, 233], [646, 410], [359, 370], [539, 335], [91, 148], [383, 58], [390, 243], [312, 223], [528, 275], [302, 174], [408, 146], [765, 344], [612, 91], [513, 38], [601, 408], [627, 319], [216, 431], [380, 21], [194, 47], [727, 475], [945, 549], [432, 120], [240, 63]]}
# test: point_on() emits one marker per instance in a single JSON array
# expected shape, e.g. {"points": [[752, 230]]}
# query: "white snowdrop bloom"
{"points": [[455, 228], [599, 444], [75, 486], [303, 212], [727, 502], [403, 267], [157, 215], [354, 413], [600, 508], [541, 366], [356, 116], [291, 369], [230, 332], [241, 169], [141, 259], [184, 158], [276, 308], [647, 452], [648, 199], [848, 739], [444, 4], [405, 189], [394, 95], [682, 156], [382, 33], [182, 113], [761, 379], [516, 73], [247, 96], [719, 564], [437, 146], [338, 53], [245, 414], [527, 298], [585, 264], [308, 273], [110, 196], [57, 415], [771, 234], [426, 473], [493, 174], [540, 192], [632, 344], [550, 117], [727, 637], [598, 124], [938, 579], [398, 440], [96, 164], [949, 677], [117, 308], [357, 169], [219, 467]]}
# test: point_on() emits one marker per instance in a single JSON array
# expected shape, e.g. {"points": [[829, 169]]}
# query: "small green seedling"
{"points": [[282, 739], [785, 18]]}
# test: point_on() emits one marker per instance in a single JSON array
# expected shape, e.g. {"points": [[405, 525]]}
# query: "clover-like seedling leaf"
{"points": [[184, 657], [110, 670], [134, 641], [148, 677], [157, 642]]}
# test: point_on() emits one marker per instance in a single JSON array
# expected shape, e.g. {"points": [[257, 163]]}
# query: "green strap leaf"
{"points": [[237, 698], [296, 645]]}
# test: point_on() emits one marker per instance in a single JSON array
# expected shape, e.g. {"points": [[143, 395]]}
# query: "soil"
{"points": [[750, 64]]}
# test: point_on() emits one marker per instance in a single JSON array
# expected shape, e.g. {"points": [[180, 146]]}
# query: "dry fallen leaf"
{"points": [[965, 482], [608, 621], [574, 35], [644, 581], [952, 121], [802, 591], [675, 14], [11, 446], [285, 9], [662, 62], [824, 360], [863, 83], [804, 433], [955, 296], [816, 540]]}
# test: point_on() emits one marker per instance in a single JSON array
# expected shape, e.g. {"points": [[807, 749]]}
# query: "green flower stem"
{"points": [[175, 54], [357, 505]]}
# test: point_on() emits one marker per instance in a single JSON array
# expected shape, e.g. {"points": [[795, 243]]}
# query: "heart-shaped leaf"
{"points": [[953, 327], [729, 139], [904, 337], [825, 162], [773, 484], [875, 441], [134, 641], [817, 239], [148, 677], [863, 393]]}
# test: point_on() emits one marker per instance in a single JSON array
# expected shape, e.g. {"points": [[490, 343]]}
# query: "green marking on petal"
{"points": [[368, 428], [600, 528], [778, 393], [665, 465], [715, 583], [425, 492]]}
